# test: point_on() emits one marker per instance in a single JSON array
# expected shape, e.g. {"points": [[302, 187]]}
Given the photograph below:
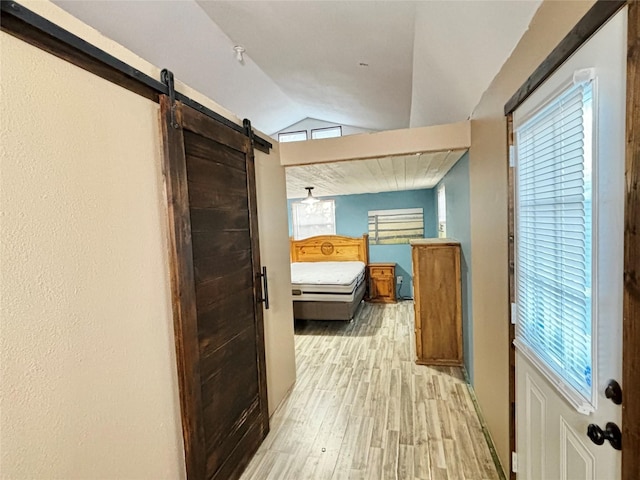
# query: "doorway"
{"points": [[569, 210]]}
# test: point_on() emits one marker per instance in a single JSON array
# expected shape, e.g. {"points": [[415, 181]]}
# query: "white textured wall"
{"points": [[88, 386]]}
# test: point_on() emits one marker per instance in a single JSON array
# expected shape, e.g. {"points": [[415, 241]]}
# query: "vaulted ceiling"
{"points": [[373, 64]]}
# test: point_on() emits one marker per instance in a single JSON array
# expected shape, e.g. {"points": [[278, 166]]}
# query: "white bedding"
{"points": [[326, 281], [325, 273]]}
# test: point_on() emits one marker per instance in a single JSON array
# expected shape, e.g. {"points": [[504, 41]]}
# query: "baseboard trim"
{"points": [[485, 429]]}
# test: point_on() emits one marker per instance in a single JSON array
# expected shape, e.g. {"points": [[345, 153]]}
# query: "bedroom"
{"points": [[350, 211], [411, 181], [125, 187]]}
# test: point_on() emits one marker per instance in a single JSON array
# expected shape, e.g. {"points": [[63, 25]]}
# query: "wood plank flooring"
{"points": [[362, 409]]}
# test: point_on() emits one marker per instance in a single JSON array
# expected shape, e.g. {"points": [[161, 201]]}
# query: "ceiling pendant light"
{"points": [[310, 200]]}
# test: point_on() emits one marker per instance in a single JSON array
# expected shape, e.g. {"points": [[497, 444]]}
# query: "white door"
{"points": [[560, 382]]}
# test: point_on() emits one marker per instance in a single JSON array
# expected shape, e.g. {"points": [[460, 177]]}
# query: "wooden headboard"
{"points": [[330, 248]]}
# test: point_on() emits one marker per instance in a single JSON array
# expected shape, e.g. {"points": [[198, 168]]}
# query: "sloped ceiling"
{"points": [[459, 48], [428, 61], [178, 35], [314, 52], [378, 65]]}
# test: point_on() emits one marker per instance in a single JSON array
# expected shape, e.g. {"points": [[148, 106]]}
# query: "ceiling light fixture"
{"points": [[239, 49], [310, 200]]}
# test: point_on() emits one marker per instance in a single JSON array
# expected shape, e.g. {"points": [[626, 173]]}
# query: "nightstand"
{"points": [[382, 282]]}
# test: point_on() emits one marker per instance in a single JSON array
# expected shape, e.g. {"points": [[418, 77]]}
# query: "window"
{"points": [[329, 132], [554, 241], [442, 212], [316, 219], [292, 136], [316, 133]]}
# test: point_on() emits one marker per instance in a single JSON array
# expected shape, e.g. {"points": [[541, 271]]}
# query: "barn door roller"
{"points": [[167, 78]]}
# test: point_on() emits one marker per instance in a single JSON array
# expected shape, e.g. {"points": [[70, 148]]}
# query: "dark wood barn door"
{"points": [[214, 253]]}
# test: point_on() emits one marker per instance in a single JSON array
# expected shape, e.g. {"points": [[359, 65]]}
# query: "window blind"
{"points": [[554, 240], [442, 206], [442, 211]]}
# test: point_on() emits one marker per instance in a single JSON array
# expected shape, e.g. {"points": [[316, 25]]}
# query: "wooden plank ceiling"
{"points": [[388, 174]]}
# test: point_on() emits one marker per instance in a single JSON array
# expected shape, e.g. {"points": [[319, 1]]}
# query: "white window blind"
{"points": [[554, 241], [442, 212], [315, 219]]}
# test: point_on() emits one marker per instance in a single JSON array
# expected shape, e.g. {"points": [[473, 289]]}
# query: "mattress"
{"points": [[326, 281]]}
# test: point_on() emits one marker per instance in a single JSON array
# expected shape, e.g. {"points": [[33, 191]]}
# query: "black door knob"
{"points": [[613, 392], [611, 433], [595, 433]]}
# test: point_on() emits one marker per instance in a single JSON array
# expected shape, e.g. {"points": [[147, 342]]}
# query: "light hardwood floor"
{"points": [[362, 409]]}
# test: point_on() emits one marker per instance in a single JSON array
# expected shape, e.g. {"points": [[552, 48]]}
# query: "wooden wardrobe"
{"points": [[437, 301]]}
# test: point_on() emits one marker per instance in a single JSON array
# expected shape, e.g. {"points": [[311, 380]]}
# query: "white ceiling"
{"points": [[313, 50], [409, 172], [459, 48], [178, 35], [428, 61]]}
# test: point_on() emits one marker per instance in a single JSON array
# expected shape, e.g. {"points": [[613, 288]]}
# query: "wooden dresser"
{"points": [[437, 301], [382, 282]]}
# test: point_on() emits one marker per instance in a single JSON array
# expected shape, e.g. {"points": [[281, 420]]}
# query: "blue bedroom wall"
{"points": [[456, 184], [352, 220]]}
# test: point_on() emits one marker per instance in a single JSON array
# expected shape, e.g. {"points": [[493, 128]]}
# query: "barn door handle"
{"points": [[611, 433], [265, 288]]}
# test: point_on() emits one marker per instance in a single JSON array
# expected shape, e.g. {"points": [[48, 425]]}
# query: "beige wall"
{"points": [[84, 273], [88, 384], [488, 196], [453, 136], [274, 254]]}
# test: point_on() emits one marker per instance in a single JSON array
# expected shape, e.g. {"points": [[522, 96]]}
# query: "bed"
{"points": [[328, 276]]}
